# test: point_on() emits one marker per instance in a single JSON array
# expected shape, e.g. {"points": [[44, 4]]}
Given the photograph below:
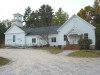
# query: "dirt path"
{"points": [[41, 62]]}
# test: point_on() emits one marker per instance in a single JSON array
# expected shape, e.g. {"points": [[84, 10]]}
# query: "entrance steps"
{"points": [[72, 47]]}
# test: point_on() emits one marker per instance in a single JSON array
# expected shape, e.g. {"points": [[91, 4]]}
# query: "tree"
{"points": [[27, 15], [97, 19], [2, 30], [97, 24], [46, 14], [98, 36], [97, 6], [38, 18], [33, 20], [87, 13], [93, 17], [7, 23], [59, 17], [96, 3]]}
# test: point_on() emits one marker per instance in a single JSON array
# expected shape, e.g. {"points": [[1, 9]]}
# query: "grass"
{"points": [[1, 45], [85, 53], [4, 61], [53, 50]]}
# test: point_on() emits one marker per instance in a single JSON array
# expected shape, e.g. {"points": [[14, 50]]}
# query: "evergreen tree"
{"points": [[26, 16], [45, 14], [2, 30]]}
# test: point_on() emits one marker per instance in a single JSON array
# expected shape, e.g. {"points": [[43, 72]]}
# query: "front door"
{"points": [[74, 39]]}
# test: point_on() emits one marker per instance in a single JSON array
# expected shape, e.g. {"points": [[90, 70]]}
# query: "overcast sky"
{"points": [[9, 7]]}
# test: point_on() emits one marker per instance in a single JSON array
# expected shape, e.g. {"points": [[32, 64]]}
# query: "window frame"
{"points": [[85, 35], [33, 40], [53, 39], [65, 36], [14, 38]]}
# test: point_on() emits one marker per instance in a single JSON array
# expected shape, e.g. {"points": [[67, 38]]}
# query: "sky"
{"points": [[9, 7]]}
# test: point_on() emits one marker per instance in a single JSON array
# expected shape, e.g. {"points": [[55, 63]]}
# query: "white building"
{"points": [[73, 28]]}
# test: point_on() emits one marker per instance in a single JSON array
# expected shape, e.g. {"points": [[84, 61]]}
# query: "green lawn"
{"points": [[4, 61], [85, 53], [53, 50]]}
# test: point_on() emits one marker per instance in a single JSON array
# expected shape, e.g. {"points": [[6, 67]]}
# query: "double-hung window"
{"points": [[65, 37], [14, 38], [53, 39], [33, 40], [86, 36]]}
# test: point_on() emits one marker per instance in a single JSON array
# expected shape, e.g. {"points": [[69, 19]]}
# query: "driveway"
{"points": [[41, 62]]}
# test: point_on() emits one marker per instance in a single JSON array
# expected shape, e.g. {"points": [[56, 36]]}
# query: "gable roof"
{"points": [[12, 27], [42, 30], [46, 30], [18, 14], [80, 19], [74, 31], [38, 30]]}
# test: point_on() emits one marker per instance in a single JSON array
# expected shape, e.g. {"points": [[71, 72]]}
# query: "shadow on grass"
{"points": [[4, 61]]}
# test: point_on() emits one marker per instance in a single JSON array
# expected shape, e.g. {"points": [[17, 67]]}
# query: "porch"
{"points": [[72, 38]]}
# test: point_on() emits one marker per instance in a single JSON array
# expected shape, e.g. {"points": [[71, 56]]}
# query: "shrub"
{"points": [[48, 45], [59, 46], [84, 43]]}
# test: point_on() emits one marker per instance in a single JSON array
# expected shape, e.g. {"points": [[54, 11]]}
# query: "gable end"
{"points": [[11, 28], [79, 18]]}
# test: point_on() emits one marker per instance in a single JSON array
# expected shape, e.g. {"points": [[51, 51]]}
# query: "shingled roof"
{"points": [[41, 30]]}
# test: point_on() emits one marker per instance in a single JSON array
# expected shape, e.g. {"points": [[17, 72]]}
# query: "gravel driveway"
{"points": [[41, 62]]}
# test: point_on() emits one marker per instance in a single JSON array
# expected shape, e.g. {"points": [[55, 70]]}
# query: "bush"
{"points": [[84, 43], [59, 46], [48, 45]]}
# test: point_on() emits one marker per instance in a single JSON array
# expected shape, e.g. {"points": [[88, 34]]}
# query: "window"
{"points": [[15, 17], [13, 38], [65, 37], [86, 36], [19, 18], [53, 39], [33, 40]]}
